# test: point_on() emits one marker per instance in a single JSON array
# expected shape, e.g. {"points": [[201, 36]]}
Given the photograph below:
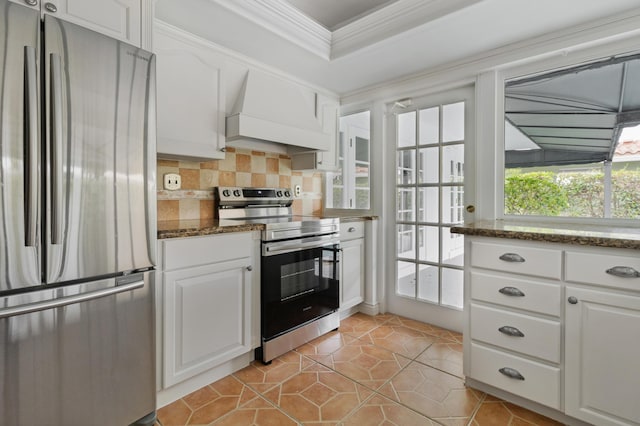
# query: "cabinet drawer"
{"points": [[518, 259], [351, 230], [516, 293], [592, 268], [541, 383], [539, 337], [194, 251]]}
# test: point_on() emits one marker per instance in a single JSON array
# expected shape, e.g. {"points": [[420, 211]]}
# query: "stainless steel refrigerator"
{"points": [[77, 224]]}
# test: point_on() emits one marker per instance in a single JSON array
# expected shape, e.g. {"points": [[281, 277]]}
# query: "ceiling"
{"points": [[347, 45]]}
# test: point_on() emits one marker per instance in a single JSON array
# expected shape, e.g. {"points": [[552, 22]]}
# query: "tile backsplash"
{"points": [[239, 168]]}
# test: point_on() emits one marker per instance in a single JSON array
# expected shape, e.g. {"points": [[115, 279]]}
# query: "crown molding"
{"points": [[279, 17], [389, 21]]}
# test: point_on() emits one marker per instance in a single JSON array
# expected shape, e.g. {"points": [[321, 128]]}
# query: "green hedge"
{"points": [[577, 194]]}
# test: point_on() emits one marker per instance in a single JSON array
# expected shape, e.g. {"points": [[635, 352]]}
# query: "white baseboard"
{"points": [[369, 309]]}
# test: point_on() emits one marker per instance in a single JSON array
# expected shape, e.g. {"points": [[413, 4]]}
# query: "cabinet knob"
{"points": [[471, 208], [249, 268], [511, 373], [31, 2], [51, 7], [573, 300], [352, 229]]}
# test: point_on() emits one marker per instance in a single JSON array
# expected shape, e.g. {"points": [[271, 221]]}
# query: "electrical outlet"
{"points": [[296, 190], [172, 181]]}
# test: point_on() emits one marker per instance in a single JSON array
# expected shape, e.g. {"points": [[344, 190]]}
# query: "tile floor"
{"points": [[382, 370]]}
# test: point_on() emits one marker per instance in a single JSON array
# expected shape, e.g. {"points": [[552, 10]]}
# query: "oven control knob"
{"points": [[236, 192], [287, 194], [278, 193], [226, 192]]}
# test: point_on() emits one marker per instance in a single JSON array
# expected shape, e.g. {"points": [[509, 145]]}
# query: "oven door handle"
{"points": [[270, 249]]}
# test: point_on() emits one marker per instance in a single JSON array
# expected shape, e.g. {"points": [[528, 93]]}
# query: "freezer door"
{"points": [[19, 147], [78, 355], [100, 144]]}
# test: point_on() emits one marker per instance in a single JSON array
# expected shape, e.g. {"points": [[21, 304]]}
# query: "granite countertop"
{"points": [[585, 235], [196, 228]]}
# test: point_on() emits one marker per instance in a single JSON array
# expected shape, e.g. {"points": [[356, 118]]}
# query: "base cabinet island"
{"points": [[553, 319]]}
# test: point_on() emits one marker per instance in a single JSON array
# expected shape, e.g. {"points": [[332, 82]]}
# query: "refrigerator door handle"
{"points": [[56, 148], [69, 300], [30, 146]]}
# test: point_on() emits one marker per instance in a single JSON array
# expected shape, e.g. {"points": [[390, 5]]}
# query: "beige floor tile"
{"points": [[257, 412], [264, 377], [495, 412], [429, 329], [318, 394], [431, 392], [379, 410], [360, 324], [365, 363], [444, 355], [402, 340], [175, 414], [325, 345]]}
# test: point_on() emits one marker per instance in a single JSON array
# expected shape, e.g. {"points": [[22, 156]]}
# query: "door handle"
{"points": [[30, 146], [56, 148], [69, 300]]}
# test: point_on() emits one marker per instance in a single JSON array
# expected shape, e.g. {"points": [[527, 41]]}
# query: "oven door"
{"points": [[297, 286]]}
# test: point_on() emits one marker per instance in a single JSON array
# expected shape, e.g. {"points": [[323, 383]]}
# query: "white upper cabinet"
{"points": [[327, 110], [120, 19], [190, 97]]}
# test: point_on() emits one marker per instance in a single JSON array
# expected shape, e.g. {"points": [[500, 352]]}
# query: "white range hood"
{"points": [[275, 110]]}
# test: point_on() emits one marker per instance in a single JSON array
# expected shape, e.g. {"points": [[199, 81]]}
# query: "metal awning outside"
{"points": [[571, 116]]}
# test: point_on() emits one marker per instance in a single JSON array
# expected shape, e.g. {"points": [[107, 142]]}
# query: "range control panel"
{"points": [[235, 196]]}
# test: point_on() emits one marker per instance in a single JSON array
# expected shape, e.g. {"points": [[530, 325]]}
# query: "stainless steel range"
{"points": [[299, 283]]}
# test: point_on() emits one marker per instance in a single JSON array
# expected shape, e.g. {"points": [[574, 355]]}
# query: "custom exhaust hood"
{"points": [[275, 110]]}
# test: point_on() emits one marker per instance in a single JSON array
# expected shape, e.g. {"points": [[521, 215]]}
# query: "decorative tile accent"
{"points": [[238, 168]]}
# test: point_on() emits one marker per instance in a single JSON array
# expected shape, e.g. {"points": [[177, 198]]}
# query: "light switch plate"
{"points": [[297, 190], [172, 181]]}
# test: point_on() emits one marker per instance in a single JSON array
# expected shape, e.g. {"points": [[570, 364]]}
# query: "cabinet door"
{"points": [[120, 19], [327, 110], [207, 317], [352, 279], [602, 349], [190, 98]]}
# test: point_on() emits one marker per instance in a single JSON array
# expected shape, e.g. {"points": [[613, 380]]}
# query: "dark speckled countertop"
{"points": [[196, 228], [585, 235]]}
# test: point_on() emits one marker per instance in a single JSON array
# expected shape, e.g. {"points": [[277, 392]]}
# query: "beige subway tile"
{"points": [[258, 164], [189, 209], [211, 165], [227, 178], [285, 181], [273, 165], [189, 165], [168, 210], [229, 162], [208, 178], [243, 179], [273, 181], [284, 167], [168, 163], [190, 178], [258, 153], [258, 180], [243, 163], [307, 184], [206, 209]]}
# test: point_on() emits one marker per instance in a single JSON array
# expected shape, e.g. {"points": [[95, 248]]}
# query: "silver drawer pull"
{"points": [[511, 291], [511, 373], [623, 272], [512, 257], [510, 331], [352, 229]]}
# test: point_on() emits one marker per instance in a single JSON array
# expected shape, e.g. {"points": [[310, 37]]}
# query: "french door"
{"points": [[434, 153]]}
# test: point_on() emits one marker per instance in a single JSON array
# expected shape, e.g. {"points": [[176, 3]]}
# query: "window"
{"points": [[572, 141], [350, 186]]}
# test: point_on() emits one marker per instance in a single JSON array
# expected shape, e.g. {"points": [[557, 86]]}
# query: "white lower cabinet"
{"points": [[602, 356], [514, 339], [352, 277], [209, 287]]}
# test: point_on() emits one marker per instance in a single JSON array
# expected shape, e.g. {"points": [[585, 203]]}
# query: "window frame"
{"points": [[539, 66]]}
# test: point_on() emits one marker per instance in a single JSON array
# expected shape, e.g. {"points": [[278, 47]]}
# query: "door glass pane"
{"points": [[429, 243], [428, 208], [406, 241], [453, 163], [452, 204], [362, 149], [453, 122], [406, 278], [428, 163], [452, 248], [452, 287], [406, 129], [405, 205], [428, 283], [406, 167], [362, 198], [429, 125]]}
